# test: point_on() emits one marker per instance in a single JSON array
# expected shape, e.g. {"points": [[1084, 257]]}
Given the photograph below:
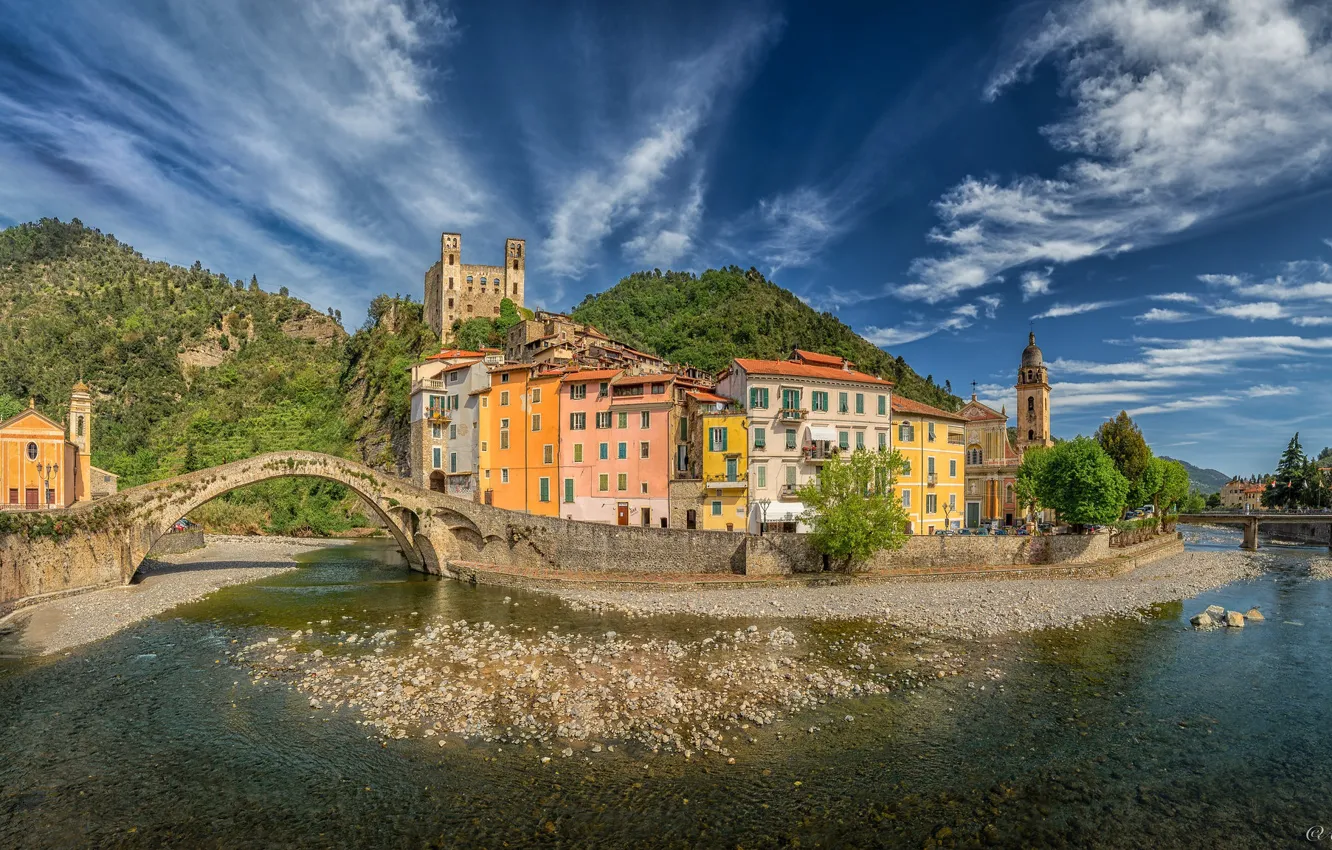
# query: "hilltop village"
{"points": [[565, 421]]}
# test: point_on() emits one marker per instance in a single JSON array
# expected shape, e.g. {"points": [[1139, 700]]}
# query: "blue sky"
{"points": [[1144, 183]]}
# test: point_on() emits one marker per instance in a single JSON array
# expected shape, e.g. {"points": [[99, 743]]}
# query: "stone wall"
{"points": [[178, 542], [1317, 533]]}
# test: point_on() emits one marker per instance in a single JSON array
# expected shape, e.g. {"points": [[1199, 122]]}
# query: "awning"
{"points": [[822, 433], [782, 512]]}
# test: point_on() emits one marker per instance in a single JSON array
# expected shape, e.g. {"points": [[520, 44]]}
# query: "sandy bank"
{"points": [[165, 582]]}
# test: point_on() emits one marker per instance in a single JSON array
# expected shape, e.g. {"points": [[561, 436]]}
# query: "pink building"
{"points": [[615, 447]]}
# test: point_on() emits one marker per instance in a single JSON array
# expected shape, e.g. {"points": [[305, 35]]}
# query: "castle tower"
{"points": [[515, 267], [1033, 396], [450, 279], [80, 434]]}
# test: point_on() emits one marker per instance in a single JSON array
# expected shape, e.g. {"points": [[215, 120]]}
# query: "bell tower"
{"points": [[1033, 396], [80, 434]]}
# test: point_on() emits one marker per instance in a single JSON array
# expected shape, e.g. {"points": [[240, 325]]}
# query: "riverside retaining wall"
{"points": [[178, 542]]}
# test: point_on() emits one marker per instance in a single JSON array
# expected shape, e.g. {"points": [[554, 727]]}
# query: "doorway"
{"points": [[30, 498], [691, 518], [647, 517], [622, 513], [973, 514]]}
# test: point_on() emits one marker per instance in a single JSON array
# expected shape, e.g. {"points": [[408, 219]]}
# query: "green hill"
{"points": [[1202, 480], [708, 319]]}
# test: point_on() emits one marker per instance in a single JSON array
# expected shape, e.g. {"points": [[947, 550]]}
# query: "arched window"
{"points": [[1031, 404], [1031, 435], [1029, 376], [78, 426], [32, 451]]}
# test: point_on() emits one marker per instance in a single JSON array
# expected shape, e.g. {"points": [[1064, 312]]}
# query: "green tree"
{"points": [[1288, 485], [1148, 486], [1213, 501], [1080, 481], [853, 509], [1026, 487], [1194, 503], [1317, 486], [508, 316], [10, 406], [1174, 487], [1122, 440], [474, 334]]}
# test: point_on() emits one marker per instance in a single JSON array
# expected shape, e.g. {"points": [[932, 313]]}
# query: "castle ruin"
{"points": [[455, 291]]}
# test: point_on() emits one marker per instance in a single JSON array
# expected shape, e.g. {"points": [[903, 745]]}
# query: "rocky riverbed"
{"points": [[566, 693], [971, 608], [164, 582]]}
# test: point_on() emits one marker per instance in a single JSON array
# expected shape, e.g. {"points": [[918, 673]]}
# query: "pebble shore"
{"points": [[166, 582], [974, 608]]}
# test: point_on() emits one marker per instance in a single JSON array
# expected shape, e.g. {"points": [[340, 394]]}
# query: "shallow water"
{"points": [[1121, 733]]}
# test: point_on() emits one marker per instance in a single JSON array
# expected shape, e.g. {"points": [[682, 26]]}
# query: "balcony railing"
{"points": [[429, 384], [723, 481], [931, 479], [792, 413], [818, 454], [788, 491], [438, 416]]}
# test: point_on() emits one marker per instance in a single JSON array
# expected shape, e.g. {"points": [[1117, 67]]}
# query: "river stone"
{"points": [[1203, 620], [1235, 619], [1254, 614], [1216, 612]]}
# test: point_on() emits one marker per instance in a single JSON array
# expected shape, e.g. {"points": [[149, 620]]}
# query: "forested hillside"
{"points": [[723, 313], [1200, 479]]}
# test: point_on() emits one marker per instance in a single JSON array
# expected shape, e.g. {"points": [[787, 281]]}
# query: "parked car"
{"points": [[1147, 510]]}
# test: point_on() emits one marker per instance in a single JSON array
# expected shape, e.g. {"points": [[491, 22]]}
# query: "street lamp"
{"points": [[947, 511], [51, 470]]}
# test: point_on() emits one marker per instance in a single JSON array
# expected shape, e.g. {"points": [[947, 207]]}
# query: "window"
{"points": [[547, 453], [622, 420], [504, 438], [603, 482], [485, 447], [906, 466], [604, 419], [906, 433], [818, 400], [577, 421], [1031, 404], [453, 461], [504, 476], [622, 451], [603, 451], [952, 469], [504, 398], [453, 432], [437, 458], [578, 453], [536, 422], [645, 419], [841, 403], [603, 388], [758, 398], [536, 395], [1031, 435], [860, 439], [952, 502], [544, 485], [929, 430], [931, 504], [761, 476], [906, 498], [790, 476], [843, 440], [568, 490], [883, 405], [643, 448], [436, 431], [681, 458], [716, 439], [860, 402], [622, 482], [790, 438], [883, 441], [760, 438], [684, 429], [469, 280], [578, 391], [929, 465], [504, 377], [642, 488], [658, 389], [791, 399], [716, 507], [485, 401]]}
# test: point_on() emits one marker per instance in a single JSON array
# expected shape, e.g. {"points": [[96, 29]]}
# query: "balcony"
{"points": [[931, 479], [791, 414], [429, 384], [722, 481], [438, 416], [789, 491], [817, 454]]}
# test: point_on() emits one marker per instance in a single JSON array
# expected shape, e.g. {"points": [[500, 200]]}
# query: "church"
{"points": [[42, 466], [993, 456]]}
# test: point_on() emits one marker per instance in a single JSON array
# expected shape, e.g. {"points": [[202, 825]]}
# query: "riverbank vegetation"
{"points": [[1300, 482]]}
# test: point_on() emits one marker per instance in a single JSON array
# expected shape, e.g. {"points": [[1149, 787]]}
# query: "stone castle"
{"points": [[455, 291]]}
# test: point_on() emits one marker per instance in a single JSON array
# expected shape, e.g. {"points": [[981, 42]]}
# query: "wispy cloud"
{"points": [[1059, 311], [1176, 297], [962, 316], [623, 189], [1311, 321], [1036, 283], [1182, 111], [1259, 310], [1157, 314], [1214, 400]]}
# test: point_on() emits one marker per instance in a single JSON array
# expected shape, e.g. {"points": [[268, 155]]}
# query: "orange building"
{"points": [[543, 443], [39, 467], [519, 451]]}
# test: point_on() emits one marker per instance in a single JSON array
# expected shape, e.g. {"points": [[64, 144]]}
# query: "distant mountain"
{"points": [[1202, 480], [705, 320]]}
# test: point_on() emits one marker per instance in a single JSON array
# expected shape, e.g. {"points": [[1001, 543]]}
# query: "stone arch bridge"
{"points": [[103, 543]]}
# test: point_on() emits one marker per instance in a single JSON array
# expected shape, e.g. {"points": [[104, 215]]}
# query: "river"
{"points": [[1121, 733]]}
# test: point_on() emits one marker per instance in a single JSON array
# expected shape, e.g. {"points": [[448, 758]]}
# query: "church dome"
{"points": [[1031, 355]]}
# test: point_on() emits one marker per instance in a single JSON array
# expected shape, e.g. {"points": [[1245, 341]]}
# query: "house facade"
{"points": [[932, 442]]}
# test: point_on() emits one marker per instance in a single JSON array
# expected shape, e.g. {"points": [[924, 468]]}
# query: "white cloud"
{"points": [[1156, 314], [1183, 110], [962, 316], [625, 187], [1214, 400], [1260, 310], [1311, 321], [991, 304], [1035, 283], [1059, 311], [1176, 297]]}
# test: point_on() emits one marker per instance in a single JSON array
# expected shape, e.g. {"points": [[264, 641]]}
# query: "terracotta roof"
{"points": [[787, 369], [591, 375], [709, 397], [814, 358], [508, 367], [454, 353], [901, 404], [658, 378], [455, 367]]}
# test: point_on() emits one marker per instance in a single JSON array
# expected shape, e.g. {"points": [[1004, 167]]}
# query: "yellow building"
{"points": [[723, 441], [39, 466], [933, 442]]}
